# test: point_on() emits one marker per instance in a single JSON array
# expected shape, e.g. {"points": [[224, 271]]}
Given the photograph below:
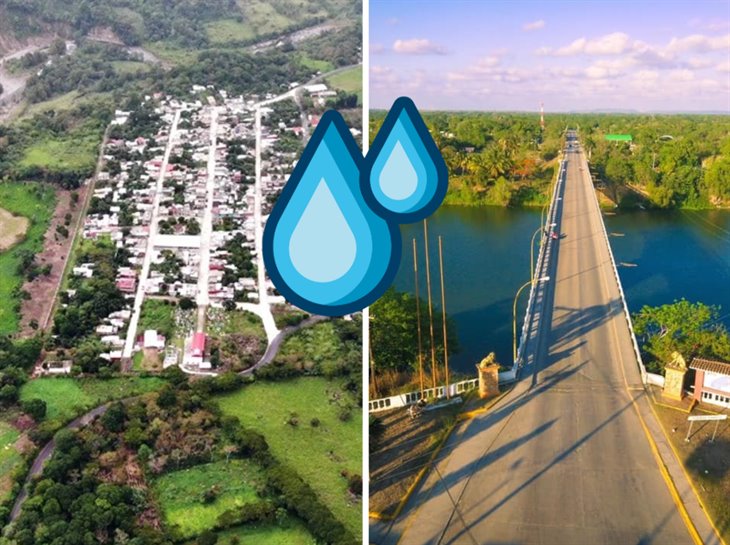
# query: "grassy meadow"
{"points": [[318, 453], [36, 202]]}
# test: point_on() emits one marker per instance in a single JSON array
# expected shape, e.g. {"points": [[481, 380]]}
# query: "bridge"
{"points": [[573, 453]]}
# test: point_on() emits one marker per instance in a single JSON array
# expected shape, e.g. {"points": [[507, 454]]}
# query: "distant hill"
{"points": [[188, 23]]}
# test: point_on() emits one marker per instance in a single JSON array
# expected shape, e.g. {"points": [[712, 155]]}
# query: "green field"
{"points": [[261, 17], [315, 65], [243, 322], [61, 102], [291, 532], [36, 202], [130, 67], [159, 315], [348, 80], [229, 30], [170, 52], [9, 457], [70, 152], [318, 454], [180, 493], [68, 397]]}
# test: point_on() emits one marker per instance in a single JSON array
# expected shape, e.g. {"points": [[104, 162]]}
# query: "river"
{"points": [[667, 256]]}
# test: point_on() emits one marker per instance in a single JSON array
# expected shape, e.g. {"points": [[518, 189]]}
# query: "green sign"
{"points": [[619, 137]]}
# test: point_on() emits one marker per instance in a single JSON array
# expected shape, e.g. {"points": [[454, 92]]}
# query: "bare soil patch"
{"points": [[12, 229], [56, 249], [151, 360]]}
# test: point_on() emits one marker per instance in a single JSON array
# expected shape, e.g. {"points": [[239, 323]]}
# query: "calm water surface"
{"points": [[487, 258]]}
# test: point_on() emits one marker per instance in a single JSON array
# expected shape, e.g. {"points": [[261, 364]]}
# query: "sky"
{"points": [[572, 56]]}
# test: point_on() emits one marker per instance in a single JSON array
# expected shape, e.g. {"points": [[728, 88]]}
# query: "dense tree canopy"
{"points": [[394, 332], [672, 160], [692, 329]]}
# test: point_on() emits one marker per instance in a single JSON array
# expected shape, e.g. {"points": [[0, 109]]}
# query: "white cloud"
{"points": [[534, 25], [383, 76], [681, 75], [376, 49], [699, 43], [718, 25], [418, 46], [617, 43], [723, 66], [699, 63], [600, 72], [578, 46], [610, 44]]}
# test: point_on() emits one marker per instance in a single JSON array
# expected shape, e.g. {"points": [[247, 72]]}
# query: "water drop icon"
{"points": [[404, 178], [324, 248]]}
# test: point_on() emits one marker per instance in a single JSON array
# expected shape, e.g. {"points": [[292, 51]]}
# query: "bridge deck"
{"points": [[564, 457]]}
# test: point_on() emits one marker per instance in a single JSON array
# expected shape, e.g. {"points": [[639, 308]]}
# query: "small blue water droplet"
{"points": [[405, 177], [398, 179], [325, 250]]}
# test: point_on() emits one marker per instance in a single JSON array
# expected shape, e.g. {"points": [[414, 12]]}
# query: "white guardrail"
{"points": [[543, 258], [403, 400], [646, 378], [541, 267]]}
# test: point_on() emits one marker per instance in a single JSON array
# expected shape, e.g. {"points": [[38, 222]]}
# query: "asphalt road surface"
{"points": [[563, 458]]}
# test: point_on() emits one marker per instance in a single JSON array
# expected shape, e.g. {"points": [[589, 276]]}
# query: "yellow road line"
{"points": [[686, 474], [694, 534]]}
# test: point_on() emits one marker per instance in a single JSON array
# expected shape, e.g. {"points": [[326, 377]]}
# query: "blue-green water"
{"points": [[487, 258]]}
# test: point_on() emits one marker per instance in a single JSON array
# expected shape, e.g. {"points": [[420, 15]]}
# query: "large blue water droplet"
{"points": [[405, 177], [311, 244], [325, 250]]}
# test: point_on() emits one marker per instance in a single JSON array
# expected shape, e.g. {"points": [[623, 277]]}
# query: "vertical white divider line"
{"points": [[366, 310]]}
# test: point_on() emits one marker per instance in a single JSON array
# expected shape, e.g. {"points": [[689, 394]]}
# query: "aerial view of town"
{"points": [[155, 387]]}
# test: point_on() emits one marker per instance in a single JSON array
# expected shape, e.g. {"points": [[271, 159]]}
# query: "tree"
{"points": [[692, 329], [166, 398], [394, 331], [8, 394], [186, 303], [113, 418], [144, 453], [717, 178], [501, 192], [35, 407], [208, 538]]}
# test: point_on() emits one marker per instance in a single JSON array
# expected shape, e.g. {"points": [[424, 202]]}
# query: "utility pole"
{"points": [[418, 318], [443, 316], [434, 371]]}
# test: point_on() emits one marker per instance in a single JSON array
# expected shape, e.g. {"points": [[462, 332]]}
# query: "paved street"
{"points": [[147, 263], [206, 228], [564, 457]]}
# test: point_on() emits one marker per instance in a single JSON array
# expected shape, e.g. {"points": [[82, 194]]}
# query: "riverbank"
{"points": [[663, 255]]}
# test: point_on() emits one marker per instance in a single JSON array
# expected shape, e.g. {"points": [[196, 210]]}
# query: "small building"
{"points": [[195, 350], [62, 367], [126, 284], [712, 381], [152, 339]]}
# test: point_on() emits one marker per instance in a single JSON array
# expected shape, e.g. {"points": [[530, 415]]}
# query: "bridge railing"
{"points": [[543, 260], [409, 398], [642, 369]]}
